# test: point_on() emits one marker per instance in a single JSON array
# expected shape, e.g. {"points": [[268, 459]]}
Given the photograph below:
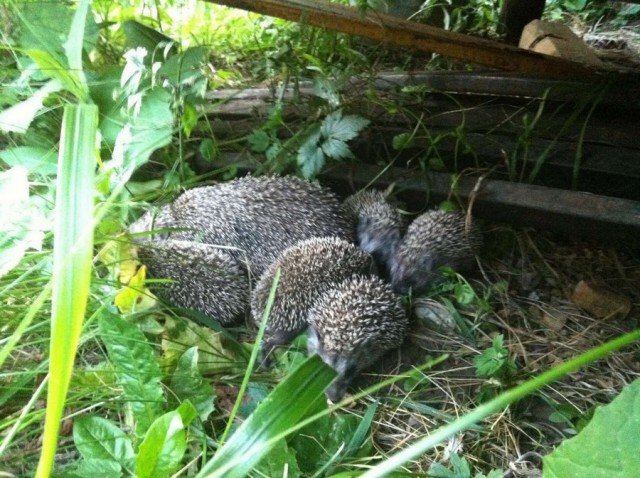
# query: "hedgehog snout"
{"points": [[411, 274], [379, 240]]}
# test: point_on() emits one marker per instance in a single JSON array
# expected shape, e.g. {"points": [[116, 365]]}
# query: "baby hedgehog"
{"points": [[378, 225], [307, 270], [257, 218], [353, 325], [202, 277], [434, 239]]}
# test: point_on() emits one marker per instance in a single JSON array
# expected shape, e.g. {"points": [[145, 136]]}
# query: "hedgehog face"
{"points": [[379, 238], [412, 272], [347, 364]]}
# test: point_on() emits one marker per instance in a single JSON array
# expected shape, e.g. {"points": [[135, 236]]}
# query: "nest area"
{"points": [[528, 283]]}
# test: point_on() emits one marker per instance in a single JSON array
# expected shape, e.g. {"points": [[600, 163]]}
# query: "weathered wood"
{"points": [[490, 126], [576, 214], [556, 39], [622, 93], [389, 29]]}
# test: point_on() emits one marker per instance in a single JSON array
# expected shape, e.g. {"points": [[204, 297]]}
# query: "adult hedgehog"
{"points": [[256, 218]]}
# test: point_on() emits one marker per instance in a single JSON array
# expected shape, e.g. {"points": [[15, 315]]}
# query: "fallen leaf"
{"points": [[600, 302]]}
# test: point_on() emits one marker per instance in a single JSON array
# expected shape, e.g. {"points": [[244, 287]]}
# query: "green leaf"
{"points": [[36, 160], [98, 438], [289, 403], [259, 141], [607, 447], [218, 352], [343, 128], [150, 130], [209, 149], [310, 156], [135, 367], [494, 361], [139, 35], [94, 467], [336, 149], [187, 383], [279, 459], [460, 468], [185, 69], [163, 447], [402, 141]]}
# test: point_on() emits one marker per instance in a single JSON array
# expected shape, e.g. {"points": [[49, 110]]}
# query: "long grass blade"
{"points": [[289, 402], [72, 254]]}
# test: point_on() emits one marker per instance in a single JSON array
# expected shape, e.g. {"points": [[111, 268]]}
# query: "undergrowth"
{"points": [[154, 391]]}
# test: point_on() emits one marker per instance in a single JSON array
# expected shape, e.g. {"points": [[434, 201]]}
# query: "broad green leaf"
{"points": [[139, 35], [164, 445], [402, 141], [135, 367], [607, 447], [94, 467], [289, 403], [216, 352], [23, 223], [38, 161], [98, 438], [310, 156], [150, 130], [336, 149], [134, 297], [187, 384], [185, 72], [342, 128]]}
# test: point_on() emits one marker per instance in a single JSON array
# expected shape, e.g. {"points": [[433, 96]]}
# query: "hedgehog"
{"points": [[434, 239], [307, 270], [202, 277], [257, 218], [352, 325], [378, 225]]}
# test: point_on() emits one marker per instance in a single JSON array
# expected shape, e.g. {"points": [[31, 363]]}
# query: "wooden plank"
{"points": [[389, 29], [575, 214], [622, 93]]}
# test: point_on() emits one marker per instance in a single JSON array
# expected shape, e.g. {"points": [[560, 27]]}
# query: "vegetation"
{"points": [[102, 113]]}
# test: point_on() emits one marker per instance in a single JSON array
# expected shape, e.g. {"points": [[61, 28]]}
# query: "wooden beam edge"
{"points": [[572, 213]]}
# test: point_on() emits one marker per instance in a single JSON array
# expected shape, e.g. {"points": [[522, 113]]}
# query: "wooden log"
{"points": [[389, 29], [574, 214]]}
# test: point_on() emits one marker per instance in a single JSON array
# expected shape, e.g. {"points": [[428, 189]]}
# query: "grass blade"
{"points": [[72, 253], [289, 402]]}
